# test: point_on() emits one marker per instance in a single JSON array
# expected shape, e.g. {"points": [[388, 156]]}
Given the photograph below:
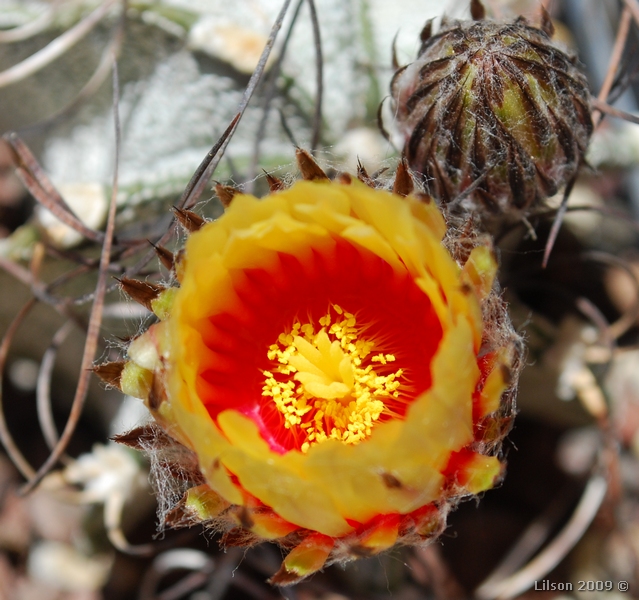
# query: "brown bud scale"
{"points": [[165, 256], [309, 169], [403, 184], [225, 193], [143, 292], [110, 372], [188, 219]]}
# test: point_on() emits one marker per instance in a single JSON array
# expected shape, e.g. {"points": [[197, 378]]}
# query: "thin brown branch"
{"points": [[431, 571], [42, 292], [38, 25], [170, 561], [17, 271], [113, 511], [94, 83], [544, 213], [268, 95], [56, 48], [614, 112], [319, 76], [95, 318], [633, 7], [191, 189], [35, 266], [207, 167], [555, 552], [559, 217], [189, 583], [629, 318], [597, 318], [36, 181], [615, 59], [287, 130], [8, 442], [25, 276], [209, 164], [43, 387], [531, 540]]}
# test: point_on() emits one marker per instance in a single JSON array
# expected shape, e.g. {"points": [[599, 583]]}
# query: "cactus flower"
{"points": [[339, 378], [494, 116]]}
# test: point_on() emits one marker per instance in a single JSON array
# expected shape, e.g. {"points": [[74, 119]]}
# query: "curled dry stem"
{"points": [[531, 540], [510, 587], [556, 226], [633, 7], [113, 511], [56, 48], [629, 318], [17, 458], [43, 385], [597, 318], [547, 213], [28, 277], [95, 318], [319, 75], [32, 28], [613, 65], [269, 94], [430, 570], [207, 167], [94, 83], [36, 181], [42, 292], [615, 112], [172, 560]]}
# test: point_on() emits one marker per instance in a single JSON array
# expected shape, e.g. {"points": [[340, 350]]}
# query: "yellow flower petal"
{"points": [[322, 360]]}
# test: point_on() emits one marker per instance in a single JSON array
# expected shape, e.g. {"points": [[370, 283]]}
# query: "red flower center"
{"points": [[320, 346]]}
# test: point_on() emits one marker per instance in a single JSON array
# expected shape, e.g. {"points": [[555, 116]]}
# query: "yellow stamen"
{"points": [[320, 384]]}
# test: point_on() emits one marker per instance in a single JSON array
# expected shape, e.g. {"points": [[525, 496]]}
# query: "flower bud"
{"points": [[494, 117]]}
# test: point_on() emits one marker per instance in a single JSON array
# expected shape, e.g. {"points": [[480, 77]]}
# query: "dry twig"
{"points": [[615, 59], [56, 48], [95, 318], [555, 552]]}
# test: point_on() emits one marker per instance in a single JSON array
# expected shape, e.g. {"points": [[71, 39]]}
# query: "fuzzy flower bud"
{"points": [[493, 115]]}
